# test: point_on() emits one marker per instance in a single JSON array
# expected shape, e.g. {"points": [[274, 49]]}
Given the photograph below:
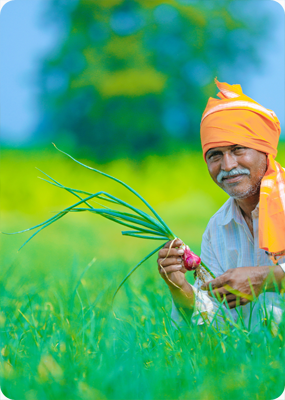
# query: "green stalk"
{"points": [[114, 200], [117, 221], [52, 219], [44, 226], [146, 237], [57, 184], [143, 230], [126, 186], [208, 270], [119, 215]]}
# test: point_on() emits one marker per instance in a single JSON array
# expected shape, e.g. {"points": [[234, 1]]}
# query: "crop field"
{"points": [[59, 336]]}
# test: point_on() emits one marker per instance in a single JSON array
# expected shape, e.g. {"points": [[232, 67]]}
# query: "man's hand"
{"points": [[170, 267], [238, 285], [170, 264]]}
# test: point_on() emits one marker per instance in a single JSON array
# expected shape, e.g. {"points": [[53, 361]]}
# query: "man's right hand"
{"points": [[173, 271]]}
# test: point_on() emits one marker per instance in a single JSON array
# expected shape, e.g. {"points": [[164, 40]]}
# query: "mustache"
{"points": [[236, 171]]}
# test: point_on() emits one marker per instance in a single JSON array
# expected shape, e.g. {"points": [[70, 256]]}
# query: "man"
{"points": [[244, 242]]}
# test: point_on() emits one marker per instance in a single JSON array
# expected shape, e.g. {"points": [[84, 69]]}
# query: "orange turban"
{"points": [[237, 119]]}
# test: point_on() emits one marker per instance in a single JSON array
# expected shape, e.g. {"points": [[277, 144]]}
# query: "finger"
{"points": [[219, 294], [169, 261], [216, 295], [169, 269], [238, 302], [215, 283], [173, 243], [230, 297], [232, 304], [172, 252]]}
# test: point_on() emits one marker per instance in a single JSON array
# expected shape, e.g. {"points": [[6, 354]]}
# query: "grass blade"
{"points": [[141, 213], [57, 184], [44, 226], [133, 270], [118, 214], [62, 186], [80, 278], [135, 227], [131, 226], [111, 199], [144, 231], [145, 237]]}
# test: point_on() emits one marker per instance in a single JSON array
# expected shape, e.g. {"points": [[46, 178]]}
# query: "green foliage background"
{"points": [[131, 77]]}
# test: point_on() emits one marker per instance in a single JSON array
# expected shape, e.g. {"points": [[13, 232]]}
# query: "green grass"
{"points": [[59, 338]]}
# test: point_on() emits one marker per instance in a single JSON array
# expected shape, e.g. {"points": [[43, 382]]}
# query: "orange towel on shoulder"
{"points": [[237, 119]]}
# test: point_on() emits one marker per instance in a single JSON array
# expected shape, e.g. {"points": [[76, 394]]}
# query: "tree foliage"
{"points": [[133, 76]]}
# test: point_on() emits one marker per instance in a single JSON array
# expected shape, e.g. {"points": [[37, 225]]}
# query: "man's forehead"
{"points": [[224, 147]]}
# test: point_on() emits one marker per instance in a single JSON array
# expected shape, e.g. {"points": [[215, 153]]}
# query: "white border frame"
{"points": [[281, 2], [2, 4]]}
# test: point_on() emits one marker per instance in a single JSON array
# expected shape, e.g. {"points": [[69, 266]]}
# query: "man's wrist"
{"points": [[184, 298], [183, 293], [275, 275], [184, 287]]}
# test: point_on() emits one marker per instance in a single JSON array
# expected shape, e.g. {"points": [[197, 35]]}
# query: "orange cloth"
{"points": [[237, 119]]}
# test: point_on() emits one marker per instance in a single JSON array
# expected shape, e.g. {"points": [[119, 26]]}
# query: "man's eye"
{"points": [[214, 155]]}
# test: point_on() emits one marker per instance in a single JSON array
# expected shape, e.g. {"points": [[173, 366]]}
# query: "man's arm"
{"points": [[184, 298]]}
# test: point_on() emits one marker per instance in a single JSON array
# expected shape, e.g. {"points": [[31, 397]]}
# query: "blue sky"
{"points": [[24, 39]]}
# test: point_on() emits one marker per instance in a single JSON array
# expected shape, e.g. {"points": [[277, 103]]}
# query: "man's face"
{"points": [[238, 170]]}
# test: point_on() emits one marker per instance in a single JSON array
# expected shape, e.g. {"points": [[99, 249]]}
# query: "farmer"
{"points": [[244, 242]]}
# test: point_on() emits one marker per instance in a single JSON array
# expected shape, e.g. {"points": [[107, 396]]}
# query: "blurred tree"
{"points": [[133, 76]]}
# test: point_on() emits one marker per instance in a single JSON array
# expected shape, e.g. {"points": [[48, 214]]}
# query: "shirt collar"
{"points": [[234, 213]]}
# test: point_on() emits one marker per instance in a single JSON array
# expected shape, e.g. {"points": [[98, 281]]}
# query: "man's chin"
{"points": [[239, 196], [235, 195]]}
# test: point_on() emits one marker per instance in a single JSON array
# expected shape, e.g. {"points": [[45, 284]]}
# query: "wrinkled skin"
{"points": [[238, 279], [246, 189]]}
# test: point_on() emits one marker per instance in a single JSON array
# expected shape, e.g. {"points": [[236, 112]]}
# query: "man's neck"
{"points": [[248, 205]]}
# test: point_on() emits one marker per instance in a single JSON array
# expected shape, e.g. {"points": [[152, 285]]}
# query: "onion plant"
{"points": [[139, 224]]}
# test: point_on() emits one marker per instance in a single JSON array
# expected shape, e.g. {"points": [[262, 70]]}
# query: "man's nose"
{"points": [[228, 162]]}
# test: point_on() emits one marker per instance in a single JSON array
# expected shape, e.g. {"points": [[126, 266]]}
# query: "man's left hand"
{"points": [[238, 285]]}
